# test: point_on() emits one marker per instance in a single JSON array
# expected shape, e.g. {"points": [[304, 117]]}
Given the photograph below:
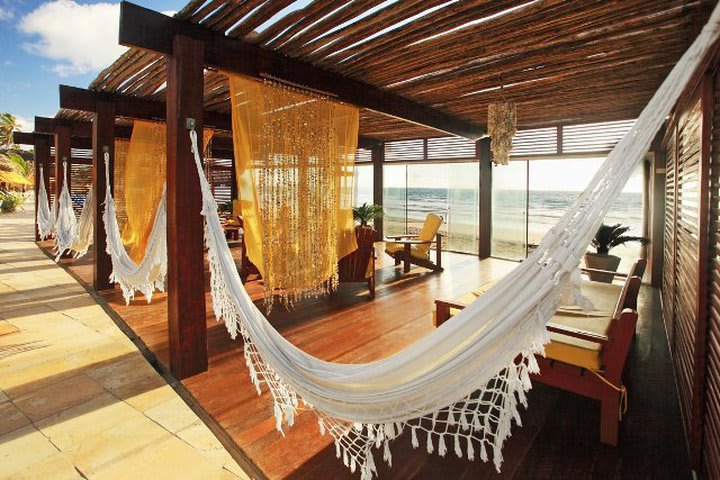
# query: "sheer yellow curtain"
{"points": [[294, 155], [142, 177], [145, 172], [121, 149]]}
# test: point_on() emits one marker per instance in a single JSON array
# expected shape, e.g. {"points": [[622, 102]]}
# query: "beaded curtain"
{"points": [[295, 154]]}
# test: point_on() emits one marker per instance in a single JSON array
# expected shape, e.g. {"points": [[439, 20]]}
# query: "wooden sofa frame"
{"points": [[604, 386]]}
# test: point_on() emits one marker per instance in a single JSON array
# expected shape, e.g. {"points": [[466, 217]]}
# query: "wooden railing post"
{"points": [[103, 138], [185, 276], [377, 155], [62, 153], [484, 156]]}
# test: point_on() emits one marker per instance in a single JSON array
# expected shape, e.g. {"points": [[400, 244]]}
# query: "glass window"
{"points": [[363, 188], [509, 210], [450, 190]]}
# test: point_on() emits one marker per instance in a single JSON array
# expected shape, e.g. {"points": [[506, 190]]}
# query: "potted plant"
{"points": [[366, 213], [606, 238]]}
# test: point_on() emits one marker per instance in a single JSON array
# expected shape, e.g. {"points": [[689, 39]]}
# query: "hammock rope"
{"points": [[84, 237], [45, 218], [149, 274], [460, 385], [65, 222]]}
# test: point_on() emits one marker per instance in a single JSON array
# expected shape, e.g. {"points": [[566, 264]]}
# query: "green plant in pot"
{"points": [[366, 213], [607, 238]]}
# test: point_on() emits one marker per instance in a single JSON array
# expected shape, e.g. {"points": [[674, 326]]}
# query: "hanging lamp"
{"points": [[501, 127]]}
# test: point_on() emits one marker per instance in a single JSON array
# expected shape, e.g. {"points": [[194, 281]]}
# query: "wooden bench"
{"points": [[587, 351]]}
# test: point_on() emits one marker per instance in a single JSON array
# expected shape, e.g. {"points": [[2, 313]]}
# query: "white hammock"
{"points": [[461, 383], [149, 275], [65, 222], [84, 237], [45, 218]]}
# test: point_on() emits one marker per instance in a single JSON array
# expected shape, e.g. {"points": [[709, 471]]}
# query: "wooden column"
{"points": [[103, 138], [377, 155], [42, 158], [185, 276], [484, 156], [657, 215], [62, 153]]}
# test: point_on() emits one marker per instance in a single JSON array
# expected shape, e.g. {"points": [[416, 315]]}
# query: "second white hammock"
{"points": [[149, 274], [65, 222], [45, 218]]}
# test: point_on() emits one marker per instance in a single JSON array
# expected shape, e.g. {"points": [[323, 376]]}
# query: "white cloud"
{"points": [[24, 124], [79, 38]]}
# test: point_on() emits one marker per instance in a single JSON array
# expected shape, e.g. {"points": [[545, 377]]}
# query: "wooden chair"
{"points": [[415, 249], [359, 266], [586, 354]]}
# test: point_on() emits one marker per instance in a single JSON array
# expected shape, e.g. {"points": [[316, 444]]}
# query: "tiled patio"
{"points": [[77, 399]]}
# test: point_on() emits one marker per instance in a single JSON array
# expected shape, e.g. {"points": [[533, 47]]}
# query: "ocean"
{"points": [[459, 209]]}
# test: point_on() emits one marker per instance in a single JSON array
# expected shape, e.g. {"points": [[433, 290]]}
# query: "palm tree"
{"points": [[11, 158]]}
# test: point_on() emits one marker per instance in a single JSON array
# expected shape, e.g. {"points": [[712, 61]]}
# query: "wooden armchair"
{"points": [[415, 249], [586, 354], [359, 266]]}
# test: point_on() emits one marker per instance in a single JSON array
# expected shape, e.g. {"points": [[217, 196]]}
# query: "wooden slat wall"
{"points": [[691, 271], [711, 430]]}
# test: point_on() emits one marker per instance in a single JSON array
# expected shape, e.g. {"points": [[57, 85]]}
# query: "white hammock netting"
{"points": [[149, 274], [65, 221], [459, 387], [45, 218], [84, 237]]}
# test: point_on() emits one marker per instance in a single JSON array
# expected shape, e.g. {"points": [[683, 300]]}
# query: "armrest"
{"points": [[577, 333], [398, 237], [609, 272], [450, 303]]}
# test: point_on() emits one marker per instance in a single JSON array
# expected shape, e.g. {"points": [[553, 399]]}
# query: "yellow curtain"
{"points": [[143, 177], [294, 159], [145, 173]]}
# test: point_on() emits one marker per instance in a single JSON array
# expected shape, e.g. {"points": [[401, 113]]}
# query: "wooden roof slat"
{"points": [[543, 47]]}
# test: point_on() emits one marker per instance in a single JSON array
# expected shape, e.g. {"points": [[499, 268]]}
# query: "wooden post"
{"points": [[657, 215], [42, 158], [377, 155], [62, 153], [484, 156], [103, 138], [186, 284]]}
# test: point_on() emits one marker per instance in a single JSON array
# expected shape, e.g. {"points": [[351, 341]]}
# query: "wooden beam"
{"points": [[42, 158], [78, 129], [62, 153], [24, 138], [186, 284], [484, 156], [377, 155], [153, 31], [131, 107], [103, 140], [83, 100]]}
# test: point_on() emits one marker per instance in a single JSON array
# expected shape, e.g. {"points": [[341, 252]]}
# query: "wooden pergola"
{"points": [[417, 69]]}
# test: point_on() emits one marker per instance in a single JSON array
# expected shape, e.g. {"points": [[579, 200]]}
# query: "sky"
{"points": [[47, 43]]}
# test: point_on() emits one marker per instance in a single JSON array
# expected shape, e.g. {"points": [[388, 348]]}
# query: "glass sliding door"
{"points": [[394, 200], [509, 210], [450, 190], [363, 185]]}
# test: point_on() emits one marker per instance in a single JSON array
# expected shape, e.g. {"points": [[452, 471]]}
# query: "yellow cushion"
{"points": [[427, 234], [575, 351], [415, 250], [571, 350]]}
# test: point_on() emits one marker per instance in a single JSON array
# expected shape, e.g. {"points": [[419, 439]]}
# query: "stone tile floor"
{"points": [[77, 399]]}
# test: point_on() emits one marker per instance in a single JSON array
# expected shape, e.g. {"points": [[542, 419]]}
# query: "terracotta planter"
{"points": [[602, 262]]}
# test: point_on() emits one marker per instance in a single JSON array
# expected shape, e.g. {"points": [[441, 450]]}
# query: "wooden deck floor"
{"points": [[559, 436]]}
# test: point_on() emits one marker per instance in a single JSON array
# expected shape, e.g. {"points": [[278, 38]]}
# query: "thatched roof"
{"points": [[563, 62]]}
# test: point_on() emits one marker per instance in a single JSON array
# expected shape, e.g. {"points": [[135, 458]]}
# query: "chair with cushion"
{"points": [[359, 266], [588, 350], [415, 249]]}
